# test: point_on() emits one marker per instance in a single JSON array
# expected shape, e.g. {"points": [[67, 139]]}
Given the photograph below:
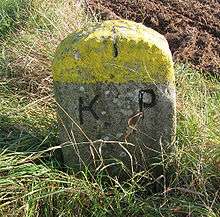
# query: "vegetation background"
{"points": [[32, 182]]}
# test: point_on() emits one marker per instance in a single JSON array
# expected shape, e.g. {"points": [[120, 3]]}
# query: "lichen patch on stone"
{"points": [[116, 51]]}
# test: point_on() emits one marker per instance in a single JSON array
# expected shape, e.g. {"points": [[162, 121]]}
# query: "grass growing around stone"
{"points": [[31, 180]]}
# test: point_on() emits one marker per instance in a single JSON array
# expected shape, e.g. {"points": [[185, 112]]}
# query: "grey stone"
{"points": [[114, 108], [115, 89]]}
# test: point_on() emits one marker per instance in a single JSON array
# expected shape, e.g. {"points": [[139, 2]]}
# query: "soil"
{"points": [[192, 27]]}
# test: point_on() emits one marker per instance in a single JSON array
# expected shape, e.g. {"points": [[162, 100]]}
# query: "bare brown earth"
{"points": [[192, 27]]}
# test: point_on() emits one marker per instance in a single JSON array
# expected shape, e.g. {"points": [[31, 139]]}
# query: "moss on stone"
{"points": [[116, 51]]}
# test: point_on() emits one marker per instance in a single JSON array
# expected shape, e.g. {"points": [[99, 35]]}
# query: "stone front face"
{"points": [[141, 114], [115, 82]]}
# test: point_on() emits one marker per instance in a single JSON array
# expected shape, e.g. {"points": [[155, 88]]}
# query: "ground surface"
{"points": [[192, 27]]}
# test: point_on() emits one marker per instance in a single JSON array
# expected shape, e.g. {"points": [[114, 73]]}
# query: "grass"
{"points": [[13, 13], [31, 180]]}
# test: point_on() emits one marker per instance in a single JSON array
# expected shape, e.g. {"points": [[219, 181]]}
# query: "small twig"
{"points": [[132, 123]]}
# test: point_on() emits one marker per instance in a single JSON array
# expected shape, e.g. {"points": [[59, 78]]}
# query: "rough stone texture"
{"points": [[115, 85], [114, 52], [116, 119]]}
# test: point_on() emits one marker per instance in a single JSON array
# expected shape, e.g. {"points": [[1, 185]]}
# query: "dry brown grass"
{"points": [[28, 53]]}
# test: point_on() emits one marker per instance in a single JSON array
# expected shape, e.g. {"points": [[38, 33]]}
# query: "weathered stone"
{"points": [[115, 82]]}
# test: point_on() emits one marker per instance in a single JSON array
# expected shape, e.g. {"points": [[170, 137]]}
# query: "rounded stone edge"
{"points": [[68, 66]]}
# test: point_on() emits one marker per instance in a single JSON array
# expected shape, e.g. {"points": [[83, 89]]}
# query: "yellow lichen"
{"points": [[143, 55]]}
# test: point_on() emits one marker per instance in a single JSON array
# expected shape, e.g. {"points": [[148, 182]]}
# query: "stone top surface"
{"points": [[116, 51]]}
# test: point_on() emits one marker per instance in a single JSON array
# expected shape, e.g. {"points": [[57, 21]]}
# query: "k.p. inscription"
{"points": [[146, 99], [88, 108], [142, 103]]}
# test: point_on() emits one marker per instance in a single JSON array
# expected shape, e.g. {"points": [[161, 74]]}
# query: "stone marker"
{"points": [[115, 82]]}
